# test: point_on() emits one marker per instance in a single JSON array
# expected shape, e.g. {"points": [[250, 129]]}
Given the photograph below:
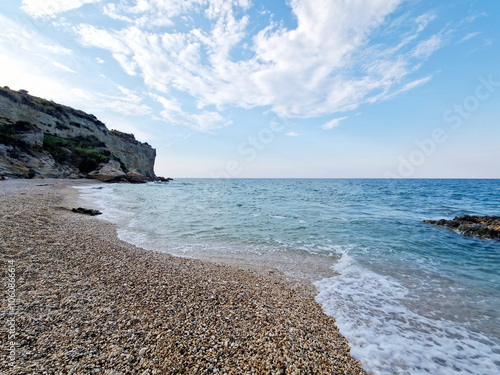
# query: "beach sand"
{"points": [[88, 303]]}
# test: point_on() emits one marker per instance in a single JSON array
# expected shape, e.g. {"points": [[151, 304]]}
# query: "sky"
{"points": [[285, 89]]}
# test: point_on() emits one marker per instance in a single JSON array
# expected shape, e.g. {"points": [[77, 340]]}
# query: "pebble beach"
{"points": [[89, 303]]}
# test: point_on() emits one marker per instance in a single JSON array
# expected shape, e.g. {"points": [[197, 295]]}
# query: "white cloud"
{"points": [[423, 20], [157, 13], [206, 121], [333, 123], [203, 121], [125, 102], [470, 36], [299, 72], [407, 87], [20, 39], [30, 61], [124, 124], [56, 49], [292, 134], [305, 67], [62, 67], [323, 66], [50, 8], [424, 49], [92, 36], [127, 108]]}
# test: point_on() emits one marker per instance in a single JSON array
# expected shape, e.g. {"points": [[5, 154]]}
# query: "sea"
{"points": [[411, 298]]}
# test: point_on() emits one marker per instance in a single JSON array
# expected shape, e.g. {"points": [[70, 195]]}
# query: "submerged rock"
{"points": [[473, 226]]}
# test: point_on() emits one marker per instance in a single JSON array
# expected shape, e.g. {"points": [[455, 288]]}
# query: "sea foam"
{"points": [[410, 298], [389, 338]]}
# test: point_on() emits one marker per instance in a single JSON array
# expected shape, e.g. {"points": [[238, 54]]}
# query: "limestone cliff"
{"points": [[43, 139]]}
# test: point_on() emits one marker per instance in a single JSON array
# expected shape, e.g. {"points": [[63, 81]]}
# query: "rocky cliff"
{"points": [[43, 139]]}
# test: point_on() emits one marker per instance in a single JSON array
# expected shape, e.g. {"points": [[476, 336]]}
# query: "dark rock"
{"points": [[86, 211], [163, 179], [472, 226]]}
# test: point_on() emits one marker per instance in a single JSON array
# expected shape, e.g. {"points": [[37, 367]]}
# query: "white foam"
{"points": [[371, 310], [389, 338], [103, 197], [95, 193]]}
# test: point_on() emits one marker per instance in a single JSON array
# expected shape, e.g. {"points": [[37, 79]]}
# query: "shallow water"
{"points": [[411, 298]]}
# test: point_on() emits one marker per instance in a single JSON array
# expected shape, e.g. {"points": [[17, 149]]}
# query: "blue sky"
{"points": [[300, 88]]}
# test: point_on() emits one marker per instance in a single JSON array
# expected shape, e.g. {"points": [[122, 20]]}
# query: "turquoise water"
{"points": [[411, 298]]}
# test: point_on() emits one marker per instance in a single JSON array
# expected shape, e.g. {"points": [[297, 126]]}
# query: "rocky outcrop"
{"points": [[163, 179], [109, 172], [86, 211], [135, 176], [474, 226], [43, 139]]}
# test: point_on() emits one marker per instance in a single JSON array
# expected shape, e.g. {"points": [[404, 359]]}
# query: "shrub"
{"points": [[88, 159], [61, 126], [57, 147], [82, 152], [124, 136], [24, 126], [89, 141], [9, 137]]}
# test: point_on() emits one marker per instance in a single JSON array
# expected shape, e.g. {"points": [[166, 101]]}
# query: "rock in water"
{"points": [[86, 211], [473, 226], [163, 179]]}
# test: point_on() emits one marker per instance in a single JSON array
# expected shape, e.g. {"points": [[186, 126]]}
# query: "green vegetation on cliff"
{"points": [[43, 139], [10, 133], [8, 136], [86, 153]]}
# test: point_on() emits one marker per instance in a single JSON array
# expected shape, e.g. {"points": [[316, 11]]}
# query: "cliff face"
{"points": [[40, 138]]}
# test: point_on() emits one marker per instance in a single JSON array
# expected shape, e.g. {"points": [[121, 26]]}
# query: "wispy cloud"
{"points": [[470, 36], [292, 134], [63, 67], [202, 121], [426, 48], [318, 68], [333, 123], [50, 8], [386, 95], [423, 20], [126, 102], [56, 49], [31, 61]]}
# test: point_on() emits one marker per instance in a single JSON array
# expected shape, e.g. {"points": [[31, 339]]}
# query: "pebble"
{"points": [[90, 303]]}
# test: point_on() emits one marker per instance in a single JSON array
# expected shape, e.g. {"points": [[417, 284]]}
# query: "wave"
{"points": [[388, 337]]}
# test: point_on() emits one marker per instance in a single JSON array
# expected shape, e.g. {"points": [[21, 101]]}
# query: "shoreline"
{"points": [[87, 302], [301, 273]]}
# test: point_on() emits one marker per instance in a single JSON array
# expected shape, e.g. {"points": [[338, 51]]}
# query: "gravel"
{"points": [[88, 303]]}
